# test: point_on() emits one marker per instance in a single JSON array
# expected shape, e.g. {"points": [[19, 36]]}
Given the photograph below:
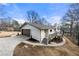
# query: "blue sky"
{"points": [[53, 12]]}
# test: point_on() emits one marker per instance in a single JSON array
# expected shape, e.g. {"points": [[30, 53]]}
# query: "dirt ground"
{"points": [[7, 33], [68, 49]]}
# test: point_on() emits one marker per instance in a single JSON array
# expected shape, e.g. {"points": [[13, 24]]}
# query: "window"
{"points": [[50, 30]]}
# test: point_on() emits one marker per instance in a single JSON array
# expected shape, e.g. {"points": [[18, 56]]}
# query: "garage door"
{"points": [[26, 32]]}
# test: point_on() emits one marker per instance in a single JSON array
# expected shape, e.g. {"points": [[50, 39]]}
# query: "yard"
{"points": [[12, 46], [8, 33], [69, 49]]}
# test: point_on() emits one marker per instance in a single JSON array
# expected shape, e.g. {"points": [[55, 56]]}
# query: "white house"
{"points": [[36, 31]]}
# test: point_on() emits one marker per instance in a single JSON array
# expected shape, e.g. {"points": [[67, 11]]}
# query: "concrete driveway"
{"points": [[8, 44]]}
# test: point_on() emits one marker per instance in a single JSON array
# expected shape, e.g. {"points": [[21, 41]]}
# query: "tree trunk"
{"points": [[78, 39], [71, 27]]}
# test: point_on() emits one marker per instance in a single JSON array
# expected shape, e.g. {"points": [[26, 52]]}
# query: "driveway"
{"points": [[8, 44]]}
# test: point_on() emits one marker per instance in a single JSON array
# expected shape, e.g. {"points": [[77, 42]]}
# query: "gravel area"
{"points": [[8, 44]]}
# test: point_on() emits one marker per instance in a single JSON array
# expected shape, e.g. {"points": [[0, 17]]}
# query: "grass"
{"points": [[7, 33], [69, 49]]}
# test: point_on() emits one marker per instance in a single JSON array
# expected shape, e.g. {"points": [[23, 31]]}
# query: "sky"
{"points": [[52, 12]]}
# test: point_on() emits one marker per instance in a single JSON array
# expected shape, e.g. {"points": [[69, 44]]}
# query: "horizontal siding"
{"points": [[35, 32]]}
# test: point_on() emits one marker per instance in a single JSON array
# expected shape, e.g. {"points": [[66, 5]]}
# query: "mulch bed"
{"points": [[56, 40], [31, 50]]}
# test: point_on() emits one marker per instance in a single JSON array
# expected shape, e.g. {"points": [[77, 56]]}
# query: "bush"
{"points": [[56, 39]]}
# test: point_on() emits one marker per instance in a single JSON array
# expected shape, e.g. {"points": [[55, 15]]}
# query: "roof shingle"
{"points": [[40, 26]]}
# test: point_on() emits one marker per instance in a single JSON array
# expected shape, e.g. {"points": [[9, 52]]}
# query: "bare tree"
{"points": [[72, 16], [15, 25], [5, 20], [32, 16]]}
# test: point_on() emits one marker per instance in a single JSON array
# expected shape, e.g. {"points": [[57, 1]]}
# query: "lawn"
{"points": [[68, 49], [7, 33]]}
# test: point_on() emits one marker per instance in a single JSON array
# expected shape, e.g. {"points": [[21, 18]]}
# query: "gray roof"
{"points": [[39, 26]]}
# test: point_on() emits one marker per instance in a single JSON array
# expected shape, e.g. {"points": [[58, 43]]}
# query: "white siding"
{"points": [[47, 34], [42, 35], [35, 32]]}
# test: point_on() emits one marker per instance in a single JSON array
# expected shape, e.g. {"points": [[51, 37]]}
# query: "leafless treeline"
{"points": [[70, 21]]}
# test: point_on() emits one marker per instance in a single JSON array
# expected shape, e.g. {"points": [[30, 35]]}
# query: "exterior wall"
{"points": [[42, 35], [46, 33], [35, 32], [51, 32]]}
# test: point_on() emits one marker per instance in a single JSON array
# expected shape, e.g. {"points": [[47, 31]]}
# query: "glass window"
{"points": [[50, 30]]}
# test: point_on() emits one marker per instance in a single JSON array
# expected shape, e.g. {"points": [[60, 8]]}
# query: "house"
{"points": [[36, 31]]}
